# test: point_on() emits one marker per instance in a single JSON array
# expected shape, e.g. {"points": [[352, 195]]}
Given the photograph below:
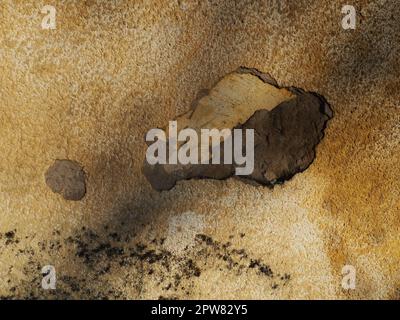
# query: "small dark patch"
{"points": [[67, 178], [263, 268], [10, 237]]}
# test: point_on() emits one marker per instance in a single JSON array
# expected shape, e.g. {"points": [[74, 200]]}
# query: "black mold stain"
{"points": [[99, 254], [10, 237]]}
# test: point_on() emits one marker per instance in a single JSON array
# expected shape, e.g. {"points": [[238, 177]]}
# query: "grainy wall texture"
{"points": [[89, 91]]}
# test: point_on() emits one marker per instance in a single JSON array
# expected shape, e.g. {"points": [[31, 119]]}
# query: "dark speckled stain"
{"points": [[100, 253], [10, 237]]}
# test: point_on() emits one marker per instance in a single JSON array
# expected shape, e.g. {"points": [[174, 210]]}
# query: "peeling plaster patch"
{"points": [[182, 230], [288, 124]]}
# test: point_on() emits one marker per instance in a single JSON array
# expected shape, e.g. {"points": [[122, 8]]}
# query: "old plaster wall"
{"points": [[89, 91]]}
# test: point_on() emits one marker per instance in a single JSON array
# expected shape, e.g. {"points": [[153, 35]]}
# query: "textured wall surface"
{"points": [[111, 70]]}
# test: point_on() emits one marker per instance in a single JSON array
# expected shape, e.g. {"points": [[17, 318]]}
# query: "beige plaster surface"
{"points": [[90, 90]]}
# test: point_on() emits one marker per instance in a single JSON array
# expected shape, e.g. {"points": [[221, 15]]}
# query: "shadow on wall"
{"points": [[369, 56]]}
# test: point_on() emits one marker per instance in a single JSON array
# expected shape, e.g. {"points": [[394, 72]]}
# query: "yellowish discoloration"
{"points": [[233, 101], [92, 88]]}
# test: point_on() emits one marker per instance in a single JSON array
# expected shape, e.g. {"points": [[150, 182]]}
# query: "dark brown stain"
{"points": [[67, 178]]}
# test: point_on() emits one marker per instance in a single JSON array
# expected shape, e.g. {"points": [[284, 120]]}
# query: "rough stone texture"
{"points": [[288, 124], [92, 88], [67, 178]]}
